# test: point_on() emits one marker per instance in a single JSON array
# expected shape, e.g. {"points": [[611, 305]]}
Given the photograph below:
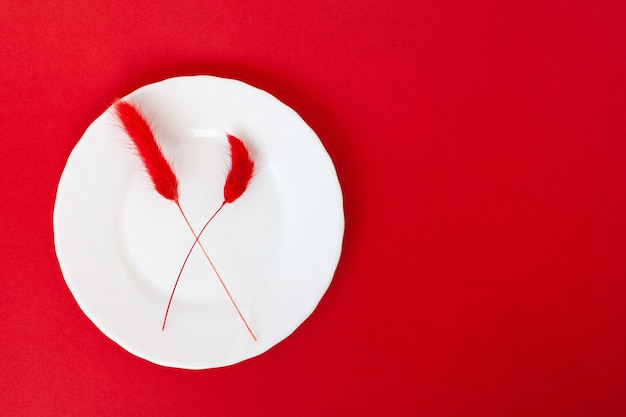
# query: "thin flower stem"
{"points": [[180, 273], [197, 237]]}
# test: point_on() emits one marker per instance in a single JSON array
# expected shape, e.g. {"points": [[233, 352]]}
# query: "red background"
{"points": [[480, 146]]}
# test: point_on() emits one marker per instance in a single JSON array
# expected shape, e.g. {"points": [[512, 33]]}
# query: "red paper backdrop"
{"points": [[480, 147]]}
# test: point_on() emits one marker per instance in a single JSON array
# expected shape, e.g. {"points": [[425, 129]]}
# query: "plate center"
{"points": [[242, 241]]}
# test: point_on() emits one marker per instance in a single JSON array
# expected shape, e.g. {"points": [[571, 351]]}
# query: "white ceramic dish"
{"points": [[120, 244]]}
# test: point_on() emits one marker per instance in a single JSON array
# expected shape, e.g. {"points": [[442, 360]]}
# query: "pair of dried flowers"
{"points": [[166, 183]]}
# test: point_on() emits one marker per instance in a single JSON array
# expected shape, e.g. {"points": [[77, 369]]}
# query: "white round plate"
{"points": [[120, 244]]}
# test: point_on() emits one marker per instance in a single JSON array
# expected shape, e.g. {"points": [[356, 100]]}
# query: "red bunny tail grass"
{"points": [[241, 169], [161, 174], [137, 128], [237, 180]]}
